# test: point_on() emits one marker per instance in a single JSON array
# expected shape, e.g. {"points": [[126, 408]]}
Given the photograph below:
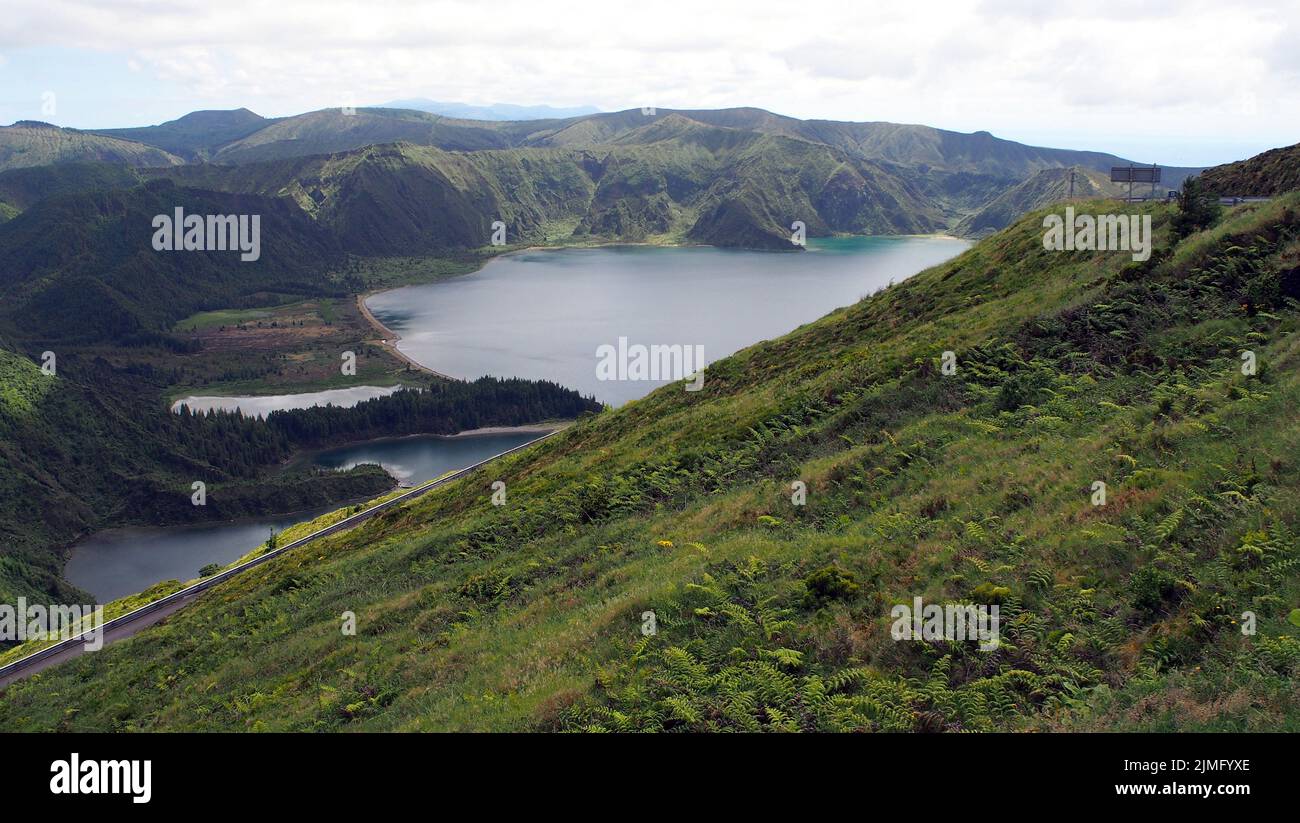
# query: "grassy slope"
{"points": [[1039, 191], [27, 144], [1073, 368], [1264, 175]]}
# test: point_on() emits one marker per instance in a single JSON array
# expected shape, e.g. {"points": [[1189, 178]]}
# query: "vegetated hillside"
{"points": [[914, 146], [1264, 175], [495, 111], [406, 199], [975, 487], [1044, 188], [684, 182], [903, 144], [332, 130], [731, 177], [22, 188], [30, 143], [196, 135], [82, 267], [94, 445]]}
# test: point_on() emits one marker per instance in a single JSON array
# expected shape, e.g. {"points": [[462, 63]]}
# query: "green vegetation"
{"points": [[1073, 368], [1197, 208], [82, 269], [95, 447], [444, 407], [221, 317], [196, 135], [1265, 175], [31, 143], [1039, 191], [389, 182]]}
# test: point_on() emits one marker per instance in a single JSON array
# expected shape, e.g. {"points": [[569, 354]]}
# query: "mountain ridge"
{"points": [[735, 177]]}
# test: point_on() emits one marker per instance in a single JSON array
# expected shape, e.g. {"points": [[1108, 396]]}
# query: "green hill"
{"points": [[29, 143], [402, 182], [694, 184], [197, 135], [972, 487], [1264, 175], [22, 188], [82, 267], [331, 130], [1039, 191]]}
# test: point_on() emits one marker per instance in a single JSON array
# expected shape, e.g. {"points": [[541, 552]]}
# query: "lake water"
{"points": [[117, 562], [413, 460], [261, 406], [543, 314]]}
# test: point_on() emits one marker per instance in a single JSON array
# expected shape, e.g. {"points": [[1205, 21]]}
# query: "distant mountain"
{"points": [[731, 177], [1264, 175], [687, 182], [496, 111], [333, 130], [197, 134], [31, 143]]}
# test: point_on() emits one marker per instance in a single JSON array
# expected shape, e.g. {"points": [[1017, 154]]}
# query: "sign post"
{"points": [[1136, 174]]}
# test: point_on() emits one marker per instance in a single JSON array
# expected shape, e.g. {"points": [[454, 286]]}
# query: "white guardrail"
{"points": [[221, 577]]}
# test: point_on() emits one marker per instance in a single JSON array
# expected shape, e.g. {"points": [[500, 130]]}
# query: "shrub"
{"points": [[989, 594], [1151, 587], [828, 583]]}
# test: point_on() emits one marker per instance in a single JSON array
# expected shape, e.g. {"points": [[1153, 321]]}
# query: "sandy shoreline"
{"points": [[389, 338], [531, 428]]}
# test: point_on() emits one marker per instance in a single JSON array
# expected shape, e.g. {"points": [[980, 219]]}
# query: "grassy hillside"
{"points": [[1264, 175], [1039, 191], [1072, 368], [29, 143]]}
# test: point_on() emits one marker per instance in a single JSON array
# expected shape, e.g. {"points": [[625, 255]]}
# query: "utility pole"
{"points": [[1071, 184]]}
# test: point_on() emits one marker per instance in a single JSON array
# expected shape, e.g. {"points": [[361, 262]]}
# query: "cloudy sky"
{"points": [[1181, 82]]}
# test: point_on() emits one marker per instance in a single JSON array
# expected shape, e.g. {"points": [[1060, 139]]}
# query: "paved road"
{"points": [[132, 622]]}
